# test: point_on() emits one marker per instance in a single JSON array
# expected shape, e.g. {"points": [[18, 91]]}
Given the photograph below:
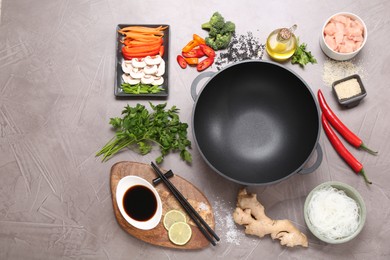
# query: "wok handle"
{"points": [[207, 74], [316, 164]]}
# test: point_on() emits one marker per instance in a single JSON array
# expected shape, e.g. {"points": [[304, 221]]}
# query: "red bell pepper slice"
{"points": [[129, 56], [161, 51]]}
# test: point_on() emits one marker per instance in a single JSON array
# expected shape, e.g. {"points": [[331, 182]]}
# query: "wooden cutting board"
{"points": [[159, 235]]}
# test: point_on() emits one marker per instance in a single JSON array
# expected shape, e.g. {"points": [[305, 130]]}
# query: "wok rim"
{"points": [[314, 146]]}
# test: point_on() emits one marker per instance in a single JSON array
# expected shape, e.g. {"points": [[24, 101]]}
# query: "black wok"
{"points": [[256, 122]]}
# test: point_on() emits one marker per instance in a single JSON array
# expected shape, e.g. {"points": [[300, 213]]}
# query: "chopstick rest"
{"points": [[199, 221], [157, 180]]}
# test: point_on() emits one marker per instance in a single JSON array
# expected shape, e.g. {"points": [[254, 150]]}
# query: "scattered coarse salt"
{"points": [[203, 206], [223, 214], [336, 70]]}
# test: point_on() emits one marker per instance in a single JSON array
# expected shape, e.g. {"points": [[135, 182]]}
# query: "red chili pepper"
{"points": [[182, 62], [342, 150], [204, 64], [207, 50], [340, 127]]}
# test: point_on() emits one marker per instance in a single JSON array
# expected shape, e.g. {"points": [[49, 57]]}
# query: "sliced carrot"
{"points": [[144, 30], [146, 40], [131, 42], [140, 36], [126, 41], [141, 41], [157, 33]]}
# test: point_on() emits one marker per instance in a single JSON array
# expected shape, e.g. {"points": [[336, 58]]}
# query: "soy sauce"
{"points": [[140, 203]]}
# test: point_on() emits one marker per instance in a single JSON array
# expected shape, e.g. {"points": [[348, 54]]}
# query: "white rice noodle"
{"points": [[333, 214]]}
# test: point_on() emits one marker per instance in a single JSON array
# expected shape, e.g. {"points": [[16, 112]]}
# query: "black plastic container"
{"points": [[352, 100]]}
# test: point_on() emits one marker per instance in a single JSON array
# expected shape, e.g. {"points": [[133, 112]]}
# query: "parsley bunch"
{"points": [[140, 129], [302, 56]]}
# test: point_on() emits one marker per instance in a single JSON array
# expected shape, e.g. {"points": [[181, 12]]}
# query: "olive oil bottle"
{"points": [[282, 43]]}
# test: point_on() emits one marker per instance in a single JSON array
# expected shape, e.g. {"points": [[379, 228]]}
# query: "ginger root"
{"points": [[251, 214]]}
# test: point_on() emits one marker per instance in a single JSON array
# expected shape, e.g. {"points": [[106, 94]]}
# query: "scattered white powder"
{"points": [[203, 206], [223, 213], [335, 70]]}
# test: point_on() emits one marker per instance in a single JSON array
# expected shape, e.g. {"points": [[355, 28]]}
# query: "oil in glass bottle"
{"points": [[282, 43]]}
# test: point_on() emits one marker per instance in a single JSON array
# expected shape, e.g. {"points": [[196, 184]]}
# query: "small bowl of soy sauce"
{"points": [[138, 202]]}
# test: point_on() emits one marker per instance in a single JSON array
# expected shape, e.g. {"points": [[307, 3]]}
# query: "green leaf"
{"points": [[144, 148], [302, 56], [116, 122], [186, 156], [159, 159]]}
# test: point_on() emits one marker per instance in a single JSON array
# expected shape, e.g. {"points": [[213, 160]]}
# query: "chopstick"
{"points": [[199, 221]]}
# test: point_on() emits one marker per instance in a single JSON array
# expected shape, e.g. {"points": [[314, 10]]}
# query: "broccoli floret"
{"points": [[216, 21], [220, 33], [228, 27], [221, 41], [213, 32], [211, 42]]}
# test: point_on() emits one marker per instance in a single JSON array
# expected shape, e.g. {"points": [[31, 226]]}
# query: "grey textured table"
{"points": [[57, 69]]}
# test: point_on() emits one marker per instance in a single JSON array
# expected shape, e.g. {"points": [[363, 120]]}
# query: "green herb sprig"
{"points": [[140, 129], [302, 56]]}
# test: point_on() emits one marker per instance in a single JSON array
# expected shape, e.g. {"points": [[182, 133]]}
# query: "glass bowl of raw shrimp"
{"points": [[343, 36]]}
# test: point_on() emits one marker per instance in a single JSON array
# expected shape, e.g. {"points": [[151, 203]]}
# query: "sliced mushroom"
{"points": [[157, 80], [136, 73], [150, 69], [153, 60], [126, 66], [128, 79], [138, 63], [147, 79], [161, 68]]}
